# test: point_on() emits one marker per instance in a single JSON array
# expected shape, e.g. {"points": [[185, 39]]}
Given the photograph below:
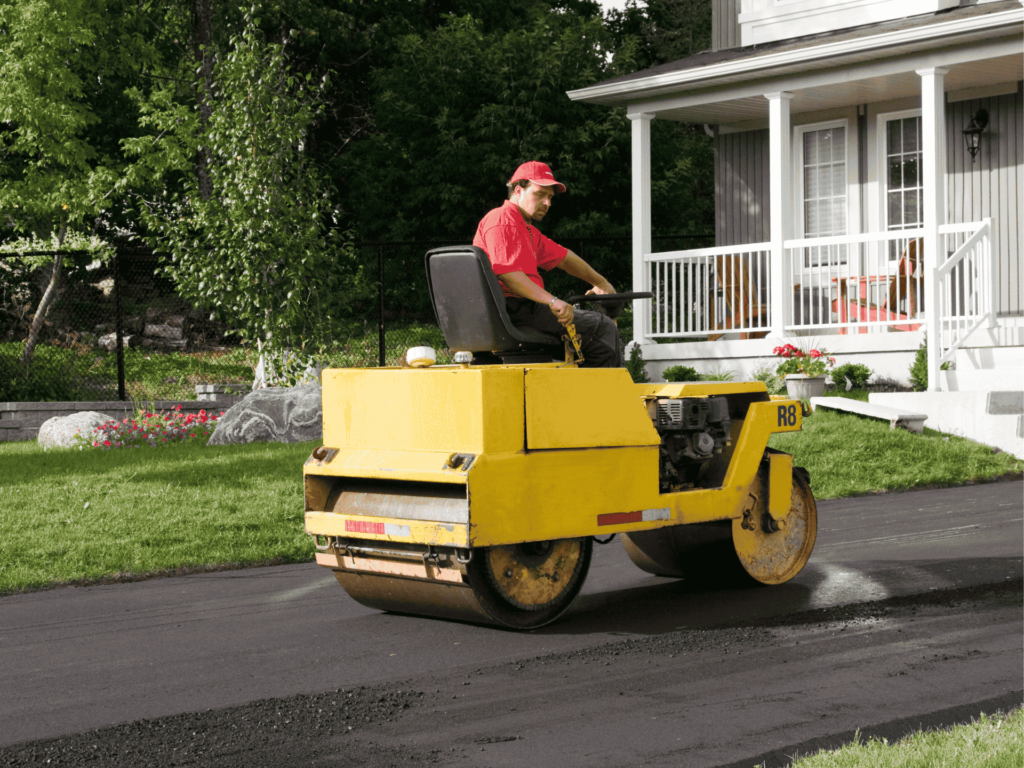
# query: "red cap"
{"points": [[538, 173]]}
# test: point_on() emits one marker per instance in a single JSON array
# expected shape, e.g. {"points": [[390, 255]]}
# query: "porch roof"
{"points": [[981, 44]]}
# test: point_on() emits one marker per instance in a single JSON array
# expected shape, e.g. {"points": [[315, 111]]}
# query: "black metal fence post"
{"points": [[118, 326], [380, 297]]}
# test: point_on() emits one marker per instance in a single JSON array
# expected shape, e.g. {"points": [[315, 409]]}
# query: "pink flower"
{"points": [[815, 353]]}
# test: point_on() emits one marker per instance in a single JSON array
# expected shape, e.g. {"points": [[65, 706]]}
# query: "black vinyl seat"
{"points": [[470, 309]]}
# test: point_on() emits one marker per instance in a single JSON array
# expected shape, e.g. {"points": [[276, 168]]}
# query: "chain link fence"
{"points": [[119, 330]]}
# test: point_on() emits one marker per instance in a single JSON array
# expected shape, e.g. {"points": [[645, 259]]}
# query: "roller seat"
{"points": [[470, 309]]}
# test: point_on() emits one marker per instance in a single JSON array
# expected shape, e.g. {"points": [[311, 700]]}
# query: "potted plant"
{"points": [[803, 370]]}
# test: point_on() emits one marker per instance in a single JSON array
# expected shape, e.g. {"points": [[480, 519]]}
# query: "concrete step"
{"points": [[981, 379], [1005, 402], [990, 418], [897, 417]]}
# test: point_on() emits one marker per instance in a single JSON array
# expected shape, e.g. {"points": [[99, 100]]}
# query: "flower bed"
{"points": [[153, 428]]}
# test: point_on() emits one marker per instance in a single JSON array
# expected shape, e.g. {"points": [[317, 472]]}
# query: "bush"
{"points": [[635, 366], [857, 374], [681, 373], [775, 384], [919, 368]]}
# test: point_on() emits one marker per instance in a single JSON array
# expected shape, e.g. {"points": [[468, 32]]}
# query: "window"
{"points": [[824, 193], [904, 195]]}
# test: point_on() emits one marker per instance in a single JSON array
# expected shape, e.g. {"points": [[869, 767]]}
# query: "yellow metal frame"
{"points": [[556, 452]]}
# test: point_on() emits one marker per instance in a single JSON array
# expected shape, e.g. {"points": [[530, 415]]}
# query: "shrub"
{"points": [[719, 374], [919, 368], [635, 366], [775, 384], [857, 374], [681, 373]]}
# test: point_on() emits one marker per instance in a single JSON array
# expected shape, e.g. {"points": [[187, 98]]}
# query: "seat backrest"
{"points": [[470, 306]]}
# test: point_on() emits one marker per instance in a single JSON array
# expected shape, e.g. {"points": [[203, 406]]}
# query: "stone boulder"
{"points": [[275, 414], [60, 431]]}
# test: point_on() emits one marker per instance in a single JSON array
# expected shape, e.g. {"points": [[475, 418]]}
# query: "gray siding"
{"points": [[725, 25], [741, 188], [993, 185]]}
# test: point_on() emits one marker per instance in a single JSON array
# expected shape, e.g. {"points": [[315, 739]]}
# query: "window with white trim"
{"points": [[824, 192], [904, 183]]}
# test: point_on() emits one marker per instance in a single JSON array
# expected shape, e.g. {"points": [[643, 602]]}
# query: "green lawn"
{"points": [[69, 515], [848, 455], [987, 742]]}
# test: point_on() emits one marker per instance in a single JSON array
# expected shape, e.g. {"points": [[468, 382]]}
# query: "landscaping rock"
{"points": [[276, 414], [109, 341], [163, 331], [60, 431]]}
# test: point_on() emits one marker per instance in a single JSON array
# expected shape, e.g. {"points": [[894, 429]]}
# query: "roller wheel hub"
{"points": [[535, 575]]}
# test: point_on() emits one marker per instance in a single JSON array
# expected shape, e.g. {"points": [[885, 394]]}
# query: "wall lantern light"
{"points": [[972, 133]]}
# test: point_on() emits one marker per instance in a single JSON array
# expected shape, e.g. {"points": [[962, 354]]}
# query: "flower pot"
{"points": [[803, 387]]}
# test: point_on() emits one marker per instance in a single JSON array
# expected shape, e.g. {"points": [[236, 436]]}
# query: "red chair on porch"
{"points": [[902, 287]]}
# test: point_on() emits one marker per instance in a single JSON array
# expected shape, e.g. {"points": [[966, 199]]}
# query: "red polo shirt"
{"points": [[512, 245]]}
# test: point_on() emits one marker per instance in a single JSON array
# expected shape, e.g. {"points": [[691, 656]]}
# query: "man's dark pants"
{"points": [[598, 334]]}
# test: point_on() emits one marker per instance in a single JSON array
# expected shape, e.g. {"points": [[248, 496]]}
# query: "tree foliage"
{"points": [[57, 58], [258, 250]]}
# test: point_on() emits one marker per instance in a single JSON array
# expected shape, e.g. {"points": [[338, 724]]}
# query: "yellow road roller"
{"points": [[475, 491]]}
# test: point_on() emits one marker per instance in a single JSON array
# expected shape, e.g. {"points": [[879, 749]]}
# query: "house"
{"points": [[869, 178]]}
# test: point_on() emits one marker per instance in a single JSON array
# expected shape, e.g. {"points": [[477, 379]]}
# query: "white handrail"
{"points": [[966, 298]]}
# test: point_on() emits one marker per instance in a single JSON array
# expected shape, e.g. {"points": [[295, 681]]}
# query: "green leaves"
{"points": [[256, 250]]}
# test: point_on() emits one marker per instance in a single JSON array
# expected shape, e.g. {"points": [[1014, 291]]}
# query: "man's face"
{"points": [[534, 200]]}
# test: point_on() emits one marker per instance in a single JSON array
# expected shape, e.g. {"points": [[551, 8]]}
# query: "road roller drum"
{"points": [[475, 492]]}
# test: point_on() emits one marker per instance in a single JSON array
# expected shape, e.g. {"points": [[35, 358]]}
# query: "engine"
{"points": [[693, 430]]}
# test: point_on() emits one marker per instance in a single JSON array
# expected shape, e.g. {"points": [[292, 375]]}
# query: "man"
{"points": [[517, 251]]}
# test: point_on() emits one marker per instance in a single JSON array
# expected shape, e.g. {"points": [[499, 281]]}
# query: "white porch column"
{"points": [[641, 125], [933, 128], [781, 209]]}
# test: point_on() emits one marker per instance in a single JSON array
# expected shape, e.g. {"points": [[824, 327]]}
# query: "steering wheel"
{"points": [[612, 303]]}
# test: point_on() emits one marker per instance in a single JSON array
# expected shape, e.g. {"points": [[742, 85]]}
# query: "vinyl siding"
{"points": [[725, 26], [742, 212], [993, 185]]}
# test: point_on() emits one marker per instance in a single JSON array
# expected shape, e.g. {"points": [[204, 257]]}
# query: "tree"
{"points": [[57, 58], [256, 245], [459, 109]]}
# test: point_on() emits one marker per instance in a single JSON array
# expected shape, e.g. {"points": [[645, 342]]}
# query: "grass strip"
{"points": [[69, 515], [995, 741], [851, 455]]}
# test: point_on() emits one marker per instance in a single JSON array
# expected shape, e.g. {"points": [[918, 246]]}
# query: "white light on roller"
{"points": [[421, 357]]}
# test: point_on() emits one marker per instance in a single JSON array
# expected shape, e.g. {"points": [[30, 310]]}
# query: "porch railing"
{"points": [[965, 286], [711, 291], [867, 283]]}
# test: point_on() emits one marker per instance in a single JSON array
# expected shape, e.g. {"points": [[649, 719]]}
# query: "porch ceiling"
{"points": [[831, 89]]}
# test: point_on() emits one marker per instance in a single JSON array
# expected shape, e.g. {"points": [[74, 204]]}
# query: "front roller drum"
{"points": [[521, 586], [754, 544]]}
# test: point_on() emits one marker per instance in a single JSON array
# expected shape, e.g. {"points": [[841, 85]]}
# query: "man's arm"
{"points": [[521, 285], [577, 267]]}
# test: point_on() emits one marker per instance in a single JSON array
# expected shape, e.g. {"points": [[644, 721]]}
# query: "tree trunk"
{"points": [[49, 295], [203, 49]]}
